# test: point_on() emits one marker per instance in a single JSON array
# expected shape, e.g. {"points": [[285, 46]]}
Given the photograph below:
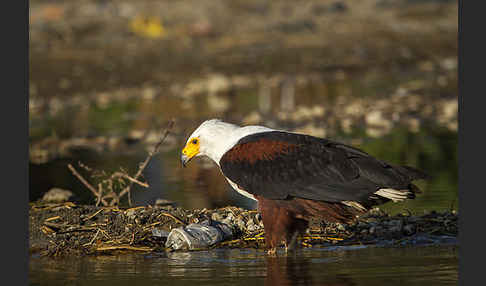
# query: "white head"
{"points": [[213, 138], [209, 139]]}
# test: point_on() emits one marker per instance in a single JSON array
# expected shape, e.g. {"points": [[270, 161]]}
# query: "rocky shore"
{"points": [[56, 230]]}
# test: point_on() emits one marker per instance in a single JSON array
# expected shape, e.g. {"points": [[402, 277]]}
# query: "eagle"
{"points": [[296, 177]]}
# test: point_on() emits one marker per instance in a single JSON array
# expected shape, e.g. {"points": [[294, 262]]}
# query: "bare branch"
{"points": [[83, 180], [126, 176], [106, 188], [145, 163]]}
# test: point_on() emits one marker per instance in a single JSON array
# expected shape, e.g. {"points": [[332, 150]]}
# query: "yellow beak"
{"points": [[189, 152]]}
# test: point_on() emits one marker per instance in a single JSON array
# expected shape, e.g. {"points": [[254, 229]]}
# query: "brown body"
{"points": [[284, 220]]}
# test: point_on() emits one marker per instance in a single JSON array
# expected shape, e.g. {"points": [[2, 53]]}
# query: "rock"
{"points": [[340, 227], [253, 118], [217, 83], [164, 203], [216, 216], [57, 195], [449, 64], [202, 28], [251, 226], [218, 103], [409, 229], [377, 124], [240, 222], [376, 230], [228, 219], [395, 230], [448, 111], [413, 124], [394, 223], [362, 225], [130, 214], [159, 233], [311, 130]]}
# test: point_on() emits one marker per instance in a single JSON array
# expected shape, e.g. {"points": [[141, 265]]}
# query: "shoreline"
{"points": [[58, 230]]}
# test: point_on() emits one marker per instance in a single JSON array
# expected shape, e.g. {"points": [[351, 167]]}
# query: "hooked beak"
{"points": [[184, 160], [190, 151]]}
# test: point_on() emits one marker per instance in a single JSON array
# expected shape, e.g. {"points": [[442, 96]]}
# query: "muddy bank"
{"points": [[62, 229]]}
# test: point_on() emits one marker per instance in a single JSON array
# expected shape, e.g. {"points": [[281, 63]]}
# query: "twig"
{"points": [[53, 218], [145, 163], [99, 199], [92, 240], [133, 239], [173, 217], [83, 180], [93, 215], [126, 176], [52, 206], [127, 247], [54, 225]]}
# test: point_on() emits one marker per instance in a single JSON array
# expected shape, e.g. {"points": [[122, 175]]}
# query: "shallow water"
{"points": [[346, 265], [201, 185]]}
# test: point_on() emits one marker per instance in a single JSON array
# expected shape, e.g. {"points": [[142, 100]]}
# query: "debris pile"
{"points": [[68, 229]]}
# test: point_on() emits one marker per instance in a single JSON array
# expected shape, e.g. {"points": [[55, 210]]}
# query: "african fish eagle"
{"points": [[295, 177]]}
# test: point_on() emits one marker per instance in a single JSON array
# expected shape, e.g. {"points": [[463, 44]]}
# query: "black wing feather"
{"points": [[315, 168]]}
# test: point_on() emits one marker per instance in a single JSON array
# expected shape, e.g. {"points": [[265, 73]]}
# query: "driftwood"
{"points": [[106, 192]]}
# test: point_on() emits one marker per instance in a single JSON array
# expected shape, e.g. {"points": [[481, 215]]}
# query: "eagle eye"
{"points": [[194, 141]]}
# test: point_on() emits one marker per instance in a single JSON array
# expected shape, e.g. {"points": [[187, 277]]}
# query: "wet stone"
{"points": [[409, 229]]}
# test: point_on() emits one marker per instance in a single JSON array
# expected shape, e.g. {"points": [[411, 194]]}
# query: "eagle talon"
{"points": [[272, 251]]}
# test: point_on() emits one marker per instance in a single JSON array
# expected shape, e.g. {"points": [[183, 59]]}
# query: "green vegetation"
{"points": [[433, 150]]}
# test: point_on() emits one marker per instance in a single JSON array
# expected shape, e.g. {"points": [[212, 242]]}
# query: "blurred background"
{"points": [[106, 76]]}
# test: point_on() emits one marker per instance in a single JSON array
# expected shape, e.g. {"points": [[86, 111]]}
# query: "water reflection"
{"points": [[419, 265], [292, 270]]}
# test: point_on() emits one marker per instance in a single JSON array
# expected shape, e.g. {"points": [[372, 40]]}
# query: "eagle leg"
{"points": [[281, 225], [293, 242], [296, 227]]}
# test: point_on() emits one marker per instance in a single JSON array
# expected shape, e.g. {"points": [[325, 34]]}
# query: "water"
{"points": [[350, 265], [201, 184]]}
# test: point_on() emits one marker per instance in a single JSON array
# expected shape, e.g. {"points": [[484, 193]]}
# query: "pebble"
{"points": [[241, 223], [377, 230], [130, 214], [57, 195], [340, 227], [216, 216], [409, 229]]}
